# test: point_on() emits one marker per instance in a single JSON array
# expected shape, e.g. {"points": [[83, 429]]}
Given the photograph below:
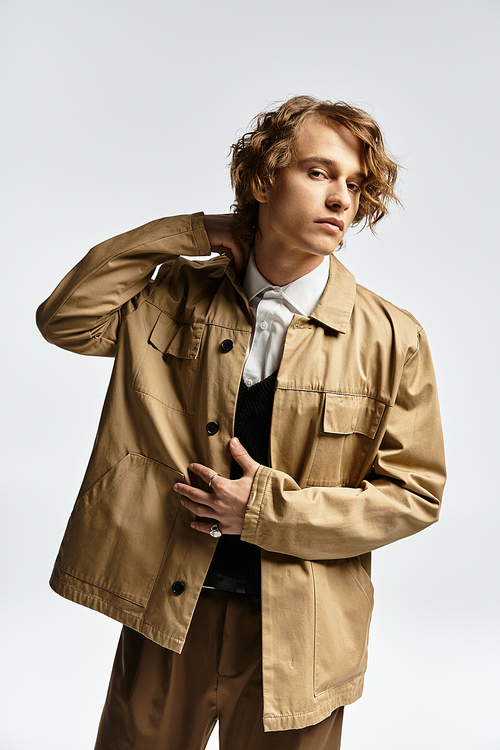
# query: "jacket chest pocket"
{"points": [[169, 369], [349, 426]]}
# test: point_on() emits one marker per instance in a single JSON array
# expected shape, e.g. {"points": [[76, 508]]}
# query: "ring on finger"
{"points": [[214, 530], [212, 479]]}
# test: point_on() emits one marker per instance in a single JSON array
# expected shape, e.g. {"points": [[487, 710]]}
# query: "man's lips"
{"points": [[333, 225]]}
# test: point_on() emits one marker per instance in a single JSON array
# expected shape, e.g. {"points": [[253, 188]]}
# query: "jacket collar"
{"points": [[335, 307], [225, 267]]}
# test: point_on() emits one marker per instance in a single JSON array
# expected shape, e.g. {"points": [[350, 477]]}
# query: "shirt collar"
{"points": [[302, 294]]}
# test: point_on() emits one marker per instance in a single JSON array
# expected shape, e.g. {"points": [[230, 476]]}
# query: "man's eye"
{"points": [[354, 187], [317, 173]]}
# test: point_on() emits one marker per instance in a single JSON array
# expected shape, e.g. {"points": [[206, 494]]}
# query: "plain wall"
{"points": [[116, 113]]}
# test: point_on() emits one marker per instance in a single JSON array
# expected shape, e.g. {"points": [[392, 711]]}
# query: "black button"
{"points": [[226, 345], [178, 587], [212, 428]]}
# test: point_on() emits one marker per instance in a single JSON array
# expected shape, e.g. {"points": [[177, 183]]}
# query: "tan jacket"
{"points": [[356, 455]]}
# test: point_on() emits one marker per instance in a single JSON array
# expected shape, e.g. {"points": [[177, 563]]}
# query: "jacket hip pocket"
{"points": [[344, 604], [119, 529]]}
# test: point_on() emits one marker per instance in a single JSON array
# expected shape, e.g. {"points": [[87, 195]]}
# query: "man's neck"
{"points": [[283, 268]]}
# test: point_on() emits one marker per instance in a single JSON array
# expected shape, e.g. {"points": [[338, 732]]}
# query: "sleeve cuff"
{"points": [[255, 504], [200, 234]]}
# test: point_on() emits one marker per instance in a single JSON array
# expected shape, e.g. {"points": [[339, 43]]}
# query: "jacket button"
{"points": [[178, 587], [212, 428], [226, 345]]}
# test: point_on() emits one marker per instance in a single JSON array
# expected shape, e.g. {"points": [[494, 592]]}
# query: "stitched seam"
{"points": [[129, 614], [144, 355], [307, 713], [228, 328], [98, 497], [261, 502], [200, 245], [166, 406], [416, 350], [336, 393], [155, 461], [104, 588], [315, 643], [358, 583], [339, 684], [200, 321]]}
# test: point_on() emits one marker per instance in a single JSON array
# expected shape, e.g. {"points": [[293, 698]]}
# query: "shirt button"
{"points": [[226, 345], [249, 383], [212, 428], [178, 587], [263, 325]]}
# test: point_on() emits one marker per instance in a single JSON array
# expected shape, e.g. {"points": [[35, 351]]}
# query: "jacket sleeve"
{"points": [[83, 313], [401, 496]]}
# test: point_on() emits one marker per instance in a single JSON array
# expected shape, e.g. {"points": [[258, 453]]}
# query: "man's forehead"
{"points": [[328, 142]]}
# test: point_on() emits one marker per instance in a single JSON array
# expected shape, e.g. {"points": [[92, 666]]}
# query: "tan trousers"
{"points": [[160, 700]]}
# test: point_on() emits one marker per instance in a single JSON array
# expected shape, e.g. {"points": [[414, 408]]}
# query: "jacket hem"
{"points": [[343, 695], [129, 619]]}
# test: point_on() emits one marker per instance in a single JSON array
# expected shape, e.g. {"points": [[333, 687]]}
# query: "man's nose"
{"points": [[339, 196]]}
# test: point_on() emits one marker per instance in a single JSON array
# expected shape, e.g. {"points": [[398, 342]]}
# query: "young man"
{"points": [[268, 424]]}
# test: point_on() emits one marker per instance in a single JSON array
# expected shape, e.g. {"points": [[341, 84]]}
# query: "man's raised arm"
{"points": [[84, 311]]}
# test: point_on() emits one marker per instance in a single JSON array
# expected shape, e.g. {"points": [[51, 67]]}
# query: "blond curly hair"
{"points": [[259, 155]]}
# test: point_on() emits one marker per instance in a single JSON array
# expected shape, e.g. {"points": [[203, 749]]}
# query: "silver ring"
{"points": [[215, 531], [212, 479]]}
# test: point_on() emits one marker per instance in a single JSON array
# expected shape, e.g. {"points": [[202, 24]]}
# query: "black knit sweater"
{"points": [[252, 426]]}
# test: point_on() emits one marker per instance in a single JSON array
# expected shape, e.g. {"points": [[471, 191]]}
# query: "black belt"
{"points": [[234, 585]]}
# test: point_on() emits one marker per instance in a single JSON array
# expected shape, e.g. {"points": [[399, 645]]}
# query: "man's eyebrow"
{"points": [[331, 163]]}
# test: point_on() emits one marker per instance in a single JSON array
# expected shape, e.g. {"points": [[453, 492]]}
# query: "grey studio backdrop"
{"points": [[119, 112]]}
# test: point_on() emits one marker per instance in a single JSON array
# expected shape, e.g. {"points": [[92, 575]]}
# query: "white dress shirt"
{"points": [[273, 308]]}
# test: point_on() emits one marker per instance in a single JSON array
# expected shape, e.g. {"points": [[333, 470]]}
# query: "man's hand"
{"points": [[222, 240], [228, 500]]}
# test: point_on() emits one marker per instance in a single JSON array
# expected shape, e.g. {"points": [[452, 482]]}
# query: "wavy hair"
{"points": [[259, 155]]}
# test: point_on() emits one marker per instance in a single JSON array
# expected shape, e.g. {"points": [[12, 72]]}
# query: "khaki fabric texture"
{"points": [[160, 699], [356, 455]]}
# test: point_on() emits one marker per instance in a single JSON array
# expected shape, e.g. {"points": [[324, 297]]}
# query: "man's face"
{"points": [[316, 197]]}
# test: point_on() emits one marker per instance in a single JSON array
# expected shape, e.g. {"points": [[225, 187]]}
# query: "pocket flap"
{"points": [[346, 414], [182, 341]]}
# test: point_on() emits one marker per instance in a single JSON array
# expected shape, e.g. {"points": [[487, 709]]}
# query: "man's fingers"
{"points": [[202, 500], [243, 457], [203, 527], [227, 502], [204, 513], [219, 228], [204, 472]]}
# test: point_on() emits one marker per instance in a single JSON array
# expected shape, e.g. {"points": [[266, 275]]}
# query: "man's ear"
{"points": [[260, 195]]}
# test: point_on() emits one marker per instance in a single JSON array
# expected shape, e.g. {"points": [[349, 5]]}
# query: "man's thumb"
{"points": [[242, 456]]}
